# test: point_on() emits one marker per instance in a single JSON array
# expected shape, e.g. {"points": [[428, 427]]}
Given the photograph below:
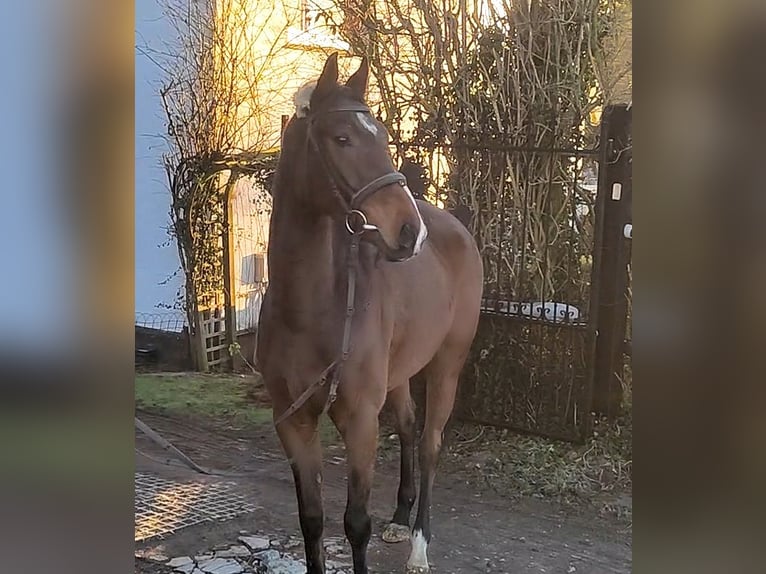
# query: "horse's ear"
{"points": [[358, 81], [329, 78]]}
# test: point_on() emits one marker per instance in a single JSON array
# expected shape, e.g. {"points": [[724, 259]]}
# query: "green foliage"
{"points": [[215, 397], [197, 215], [218, 397], [598, 472]]}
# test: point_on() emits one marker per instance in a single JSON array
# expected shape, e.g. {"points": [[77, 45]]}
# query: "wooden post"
{"points": [[199, 351], [615, 195], [229, 303]]}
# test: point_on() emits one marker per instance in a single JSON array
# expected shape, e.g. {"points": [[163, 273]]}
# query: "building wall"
{"points": [[251, 207], [277, 55], [281, 53]]}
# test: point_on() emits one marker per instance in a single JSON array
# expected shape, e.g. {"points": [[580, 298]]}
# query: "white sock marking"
{"points": [[418, 558]]}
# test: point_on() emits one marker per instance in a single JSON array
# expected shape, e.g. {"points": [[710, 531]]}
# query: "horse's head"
{"points": [[350, 162]]}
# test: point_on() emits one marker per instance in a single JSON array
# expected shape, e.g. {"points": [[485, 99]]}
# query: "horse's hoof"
{"points": [[394, 533], [418, 570]]}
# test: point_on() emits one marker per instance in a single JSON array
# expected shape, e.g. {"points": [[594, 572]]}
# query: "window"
{"points": [[253, 269]]}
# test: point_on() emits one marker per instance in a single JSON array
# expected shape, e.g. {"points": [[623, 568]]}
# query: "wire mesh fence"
{"points": [[171, 321], [162, 341]]}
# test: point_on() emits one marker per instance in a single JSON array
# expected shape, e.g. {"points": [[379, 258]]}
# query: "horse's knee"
{"points": [[310, 509], [356, 519], [311, 517], [312, 523], [358, 525]]}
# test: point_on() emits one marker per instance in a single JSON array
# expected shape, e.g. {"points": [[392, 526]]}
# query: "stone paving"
{"points": [[163, 507], [258, 554]]}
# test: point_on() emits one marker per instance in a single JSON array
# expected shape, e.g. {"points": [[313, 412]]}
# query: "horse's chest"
{"points": [[298, 355]]}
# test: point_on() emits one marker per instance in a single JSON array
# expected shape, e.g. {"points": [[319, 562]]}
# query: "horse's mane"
{"points": [[293, 146]]}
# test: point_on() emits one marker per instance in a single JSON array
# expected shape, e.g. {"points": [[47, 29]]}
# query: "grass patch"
{"points": [[221, 397], [213, 396]]}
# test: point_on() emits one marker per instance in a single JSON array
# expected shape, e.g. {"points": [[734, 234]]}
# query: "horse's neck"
{"points": [[305, 265]]}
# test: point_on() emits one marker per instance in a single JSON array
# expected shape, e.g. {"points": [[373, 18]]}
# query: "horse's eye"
{"points": [[341, 140]]}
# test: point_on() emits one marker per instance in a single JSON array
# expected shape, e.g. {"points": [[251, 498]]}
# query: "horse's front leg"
{"points": [[359, 429], [300, 439]]}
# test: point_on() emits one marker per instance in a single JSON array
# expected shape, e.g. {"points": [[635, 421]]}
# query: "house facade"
{"points": [[283, 45]]}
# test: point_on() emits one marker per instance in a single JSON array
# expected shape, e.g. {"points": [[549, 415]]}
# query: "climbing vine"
{"points": [[218, 99]]}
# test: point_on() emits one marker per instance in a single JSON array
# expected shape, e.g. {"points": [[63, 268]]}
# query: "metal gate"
{"points": [[550, 224]]}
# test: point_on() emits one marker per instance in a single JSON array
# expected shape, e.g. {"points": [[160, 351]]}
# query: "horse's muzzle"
{"points": [[409, 244]]}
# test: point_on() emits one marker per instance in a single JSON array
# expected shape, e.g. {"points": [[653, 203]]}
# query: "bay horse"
{"points": [[367, 287]]}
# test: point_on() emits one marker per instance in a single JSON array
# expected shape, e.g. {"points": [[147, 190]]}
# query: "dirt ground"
{"points": [[473, 530]]}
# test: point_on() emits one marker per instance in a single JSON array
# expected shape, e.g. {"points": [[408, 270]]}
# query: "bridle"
{"points": [[357, 225], [352, 206]]}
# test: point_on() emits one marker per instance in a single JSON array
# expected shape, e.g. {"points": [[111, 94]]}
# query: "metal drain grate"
{"points": [[163, 507]]}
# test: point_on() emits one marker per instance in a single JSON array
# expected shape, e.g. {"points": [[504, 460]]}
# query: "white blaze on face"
{"points": [[367, 123], [418, 558], [422, 230]]}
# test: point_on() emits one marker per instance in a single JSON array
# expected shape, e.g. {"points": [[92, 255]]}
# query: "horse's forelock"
{"points": [[302, 99]]}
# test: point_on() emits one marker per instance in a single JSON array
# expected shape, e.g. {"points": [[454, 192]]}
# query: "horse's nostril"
{"points": [[407, 236]]}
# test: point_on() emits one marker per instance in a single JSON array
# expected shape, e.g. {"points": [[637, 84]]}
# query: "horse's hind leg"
{"points": [[398, 530], [300, 440], [441, 386]]}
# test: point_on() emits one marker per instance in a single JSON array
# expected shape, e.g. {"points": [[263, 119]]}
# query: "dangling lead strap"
{"points": [[353, 262]]}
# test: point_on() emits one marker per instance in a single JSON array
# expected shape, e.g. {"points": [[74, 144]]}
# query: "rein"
{"points": [[337, 364], [356, 230]]}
